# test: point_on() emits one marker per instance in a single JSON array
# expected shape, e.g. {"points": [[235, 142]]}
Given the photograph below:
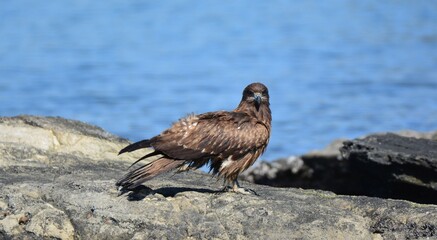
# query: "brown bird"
{"points": [[229, 141]]}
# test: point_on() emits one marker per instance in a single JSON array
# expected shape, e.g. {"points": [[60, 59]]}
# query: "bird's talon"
{"points": [[245, 191], [253, 192], [223, 190], [241, 190], [226, 189]]}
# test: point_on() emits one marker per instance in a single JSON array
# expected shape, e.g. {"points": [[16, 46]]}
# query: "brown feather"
{"points": [[134, 178], [136, 146], [229, 142]]}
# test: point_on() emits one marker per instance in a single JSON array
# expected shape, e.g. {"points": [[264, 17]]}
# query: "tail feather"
{"points": [[135, 146], [136, 177], [154, 153]]}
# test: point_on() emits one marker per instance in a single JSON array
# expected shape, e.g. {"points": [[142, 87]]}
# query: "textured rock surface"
{"points": [[322, 169], [66, 191], [401, 166]]}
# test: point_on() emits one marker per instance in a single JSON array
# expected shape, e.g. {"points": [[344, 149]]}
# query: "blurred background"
{"points": [[335, 69]]}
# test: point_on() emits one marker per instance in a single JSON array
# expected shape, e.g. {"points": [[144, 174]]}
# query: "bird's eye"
{"points": [[248, 93]]}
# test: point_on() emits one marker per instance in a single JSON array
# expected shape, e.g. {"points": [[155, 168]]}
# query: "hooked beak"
{"points": [[257, 97]]}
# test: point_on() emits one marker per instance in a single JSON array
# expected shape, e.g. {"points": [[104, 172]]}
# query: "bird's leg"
{"points": [[236, 188], [226, 186]]}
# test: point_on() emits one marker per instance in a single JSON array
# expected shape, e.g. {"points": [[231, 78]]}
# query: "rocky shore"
{"points": [[387, 165], [57, 182]]}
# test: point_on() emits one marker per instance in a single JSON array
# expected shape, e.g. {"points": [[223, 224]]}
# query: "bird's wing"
{"points": [[214, 134]]}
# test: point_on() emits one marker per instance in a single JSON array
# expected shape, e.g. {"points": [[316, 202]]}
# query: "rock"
{"points": [[319, 169], [68, 192], [51, 223], [414, 134], [332, 151], [391, 149], [399, 166], [264, 172]]}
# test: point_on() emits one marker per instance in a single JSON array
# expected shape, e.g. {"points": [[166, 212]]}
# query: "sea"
{"points": [[334, 69]]}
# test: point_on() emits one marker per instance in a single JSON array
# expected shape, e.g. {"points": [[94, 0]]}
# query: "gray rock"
{"points": [[66, 191], [330, 152], [271, 171], [319, 169], [400, 166], [405, 167], [392, 149], [415, 134]]}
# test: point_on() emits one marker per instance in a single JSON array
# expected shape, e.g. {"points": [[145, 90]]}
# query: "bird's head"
{"points": [[256, 94]]}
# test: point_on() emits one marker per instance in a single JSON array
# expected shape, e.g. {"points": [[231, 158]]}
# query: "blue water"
{"points": [[335, 69]]}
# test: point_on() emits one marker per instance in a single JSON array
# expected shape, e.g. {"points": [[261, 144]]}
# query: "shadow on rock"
{"points": [[141, 192], [172, 191]]}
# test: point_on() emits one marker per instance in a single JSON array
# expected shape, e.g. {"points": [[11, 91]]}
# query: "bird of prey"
{"points": [[228, 141]]}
